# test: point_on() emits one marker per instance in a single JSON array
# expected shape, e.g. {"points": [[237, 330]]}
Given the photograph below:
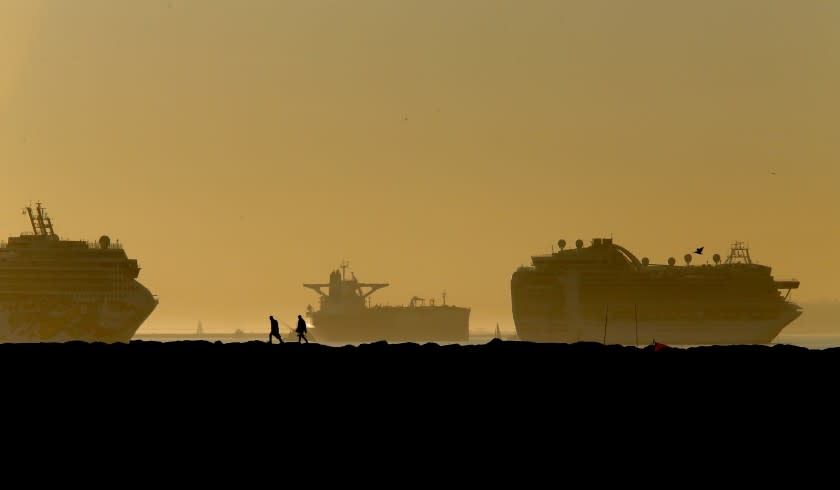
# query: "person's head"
{"points": [[271, 317], [300, 317]]}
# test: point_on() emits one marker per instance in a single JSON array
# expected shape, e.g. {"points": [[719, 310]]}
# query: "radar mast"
{"points": [[40, 221], [739, 254]]}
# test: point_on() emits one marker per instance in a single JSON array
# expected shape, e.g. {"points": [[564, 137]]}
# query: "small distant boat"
{"points": [[498, 334]]}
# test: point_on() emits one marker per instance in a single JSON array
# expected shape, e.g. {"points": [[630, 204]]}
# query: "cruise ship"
{"points": [[57, 290], [604, 293]]}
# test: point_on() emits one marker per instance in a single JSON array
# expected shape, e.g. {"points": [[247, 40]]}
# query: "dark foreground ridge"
{"points": [[503, 382], [503, 364], [513, 379]]}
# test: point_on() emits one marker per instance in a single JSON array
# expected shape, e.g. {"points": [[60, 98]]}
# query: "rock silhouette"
{"points": [[377, 386]]}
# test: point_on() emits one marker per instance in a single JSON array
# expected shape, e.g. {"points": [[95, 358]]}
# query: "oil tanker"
{"points": [[345, 315]]}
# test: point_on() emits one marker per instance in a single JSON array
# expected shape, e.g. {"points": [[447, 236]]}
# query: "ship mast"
{"points": [[49, 226], [41, 223], [32, 219], [357, 286], [739, 254]]}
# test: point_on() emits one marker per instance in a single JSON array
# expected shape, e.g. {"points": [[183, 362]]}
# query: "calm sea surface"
{"points": [[817, 328], [813, 341]]}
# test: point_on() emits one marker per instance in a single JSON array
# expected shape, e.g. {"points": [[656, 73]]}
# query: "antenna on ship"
{"points": [[443, 295], [40, 213], [28, 210], [48, 228], [739, 253], [41, 223], [343, 266]]}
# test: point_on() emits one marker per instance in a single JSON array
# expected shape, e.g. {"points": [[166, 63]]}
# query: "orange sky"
{"points": [[241, 148]]}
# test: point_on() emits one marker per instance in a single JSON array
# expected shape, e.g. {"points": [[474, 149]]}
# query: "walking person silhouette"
{"points": [[301, 329], [275, 330]]}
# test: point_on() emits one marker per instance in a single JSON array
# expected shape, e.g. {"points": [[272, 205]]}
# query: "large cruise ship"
{"points": [[54, 290], [603, 293], [343, 315]]}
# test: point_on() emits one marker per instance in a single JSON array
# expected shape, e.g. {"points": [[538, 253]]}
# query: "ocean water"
{"points": [[812, 341], [809, 341], [263, 337], [817, 328]]}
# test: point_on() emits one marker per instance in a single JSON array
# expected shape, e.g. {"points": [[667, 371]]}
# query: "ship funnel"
{"points": [[561, 244], [579, 244], [104, 242], [716, 258], [645, 261], [687, 259], [672, 261]]}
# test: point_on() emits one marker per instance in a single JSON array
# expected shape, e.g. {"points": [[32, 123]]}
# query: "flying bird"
{"points": [[699, 251]]}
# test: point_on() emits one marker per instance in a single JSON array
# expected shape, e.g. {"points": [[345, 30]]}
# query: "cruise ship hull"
{"points": [[394, 324], [672, 332], [62, 317], [603, 293]]}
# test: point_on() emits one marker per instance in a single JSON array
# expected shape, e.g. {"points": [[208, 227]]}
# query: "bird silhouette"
{"points": [[699, 251]]}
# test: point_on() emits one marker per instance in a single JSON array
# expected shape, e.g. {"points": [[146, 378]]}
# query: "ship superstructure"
{"points": [[604, 293], [56, 290]]}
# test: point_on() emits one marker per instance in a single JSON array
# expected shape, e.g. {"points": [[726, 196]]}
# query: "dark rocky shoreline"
{"points": [[204, 361], [502, 381]]}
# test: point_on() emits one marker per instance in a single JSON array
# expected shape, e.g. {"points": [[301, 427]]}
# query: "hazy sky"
{"points": [[240, 148]]}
